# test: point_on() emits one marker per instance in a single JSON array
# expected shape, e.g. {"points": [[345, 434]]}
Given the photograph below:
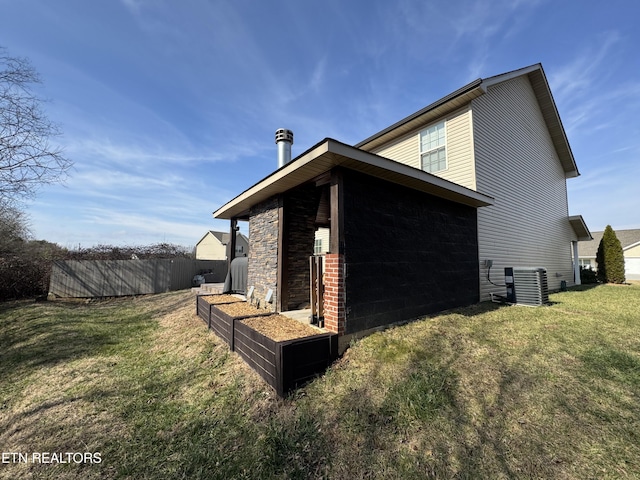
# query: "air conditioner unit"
{"points": [[526, 285]]}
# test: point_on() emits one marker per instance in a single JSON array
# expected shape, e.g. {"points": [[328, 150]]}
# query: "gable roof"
{"points": [[330, 153], [222, 237], [478, 87], [628, 239]]}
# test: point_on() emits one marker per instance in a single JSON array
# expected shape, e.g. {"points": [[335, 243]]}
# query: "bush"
{"points": [[587, 275], [25, 271], [610, 258]]}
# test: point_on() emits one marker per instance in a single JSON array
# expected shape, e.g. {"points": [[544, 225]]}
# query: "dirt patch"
{"points": [[241, 309], [217, 299], [280, 328]]}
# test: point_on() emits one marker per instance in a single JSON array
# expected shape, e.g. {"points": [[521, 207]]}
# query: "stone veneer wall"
{"points": [[262, 270]]}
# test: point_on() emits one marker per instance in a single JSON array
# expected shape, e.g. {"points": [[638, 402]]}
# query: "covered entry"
{"points": [[403, 242]]}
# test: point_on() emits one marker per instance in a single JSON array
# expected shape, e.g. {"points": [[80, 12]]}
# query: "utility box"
{"points": [[526, 285]]}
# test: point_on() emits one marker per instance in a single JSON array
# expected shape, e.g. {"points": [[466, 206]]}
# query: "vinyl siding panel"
{"points": [[632, 252], [324, 235], [459, 135], [517, 164], [460, 164], [404, 150]]}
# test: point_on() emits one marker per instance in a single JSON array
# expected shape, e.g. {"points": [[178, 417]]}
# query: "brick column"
{"points": [[334, 294]]}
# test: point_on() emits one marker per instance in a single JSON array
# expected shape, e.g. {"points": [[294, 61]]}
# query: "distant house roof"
{"points": [[330, 153], [223, 237], [628, 239], [475, 89]]}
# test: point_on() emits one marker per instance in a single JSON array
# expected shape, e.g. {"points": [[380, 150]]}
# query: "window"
{"points": [[586, 263], [433, 153], [317, 246]]}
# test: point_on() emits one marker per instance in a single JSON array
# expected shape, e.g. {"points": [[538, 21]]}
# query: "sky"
{"points": [[168, 109]]}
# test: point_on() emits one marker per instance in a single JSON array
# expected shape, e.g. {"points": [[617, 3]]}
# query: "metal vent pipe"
{"points": [[284, 140]]}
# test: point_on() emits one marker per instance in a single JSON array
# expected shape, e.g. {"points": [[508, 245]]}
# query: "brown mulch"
{"points": [[280, 328], [216, 299], [241, 309]]}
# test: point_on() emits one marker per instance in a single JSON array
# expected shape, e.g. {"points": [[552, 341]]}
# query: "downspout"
{"points": [[231, 246]]}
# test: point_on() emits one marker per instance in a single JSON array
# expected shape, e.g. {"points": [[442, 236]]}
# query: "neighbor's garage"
{"points": [[632, 268]]}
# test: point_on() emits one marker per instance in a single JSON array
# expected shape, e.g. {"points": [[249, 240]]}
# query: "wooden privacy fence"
{"points": [[115, 278]]}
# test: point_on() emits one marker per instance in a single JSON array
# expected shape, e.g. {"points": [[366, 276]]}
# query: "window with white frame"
{"points": [[317, 246], [433, 151]]}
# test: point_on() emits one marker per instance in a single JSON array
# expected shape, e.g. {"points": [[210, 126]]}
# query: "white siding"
{"points": [[404, 150], [460, 166], [517, 164], [324, 235]]}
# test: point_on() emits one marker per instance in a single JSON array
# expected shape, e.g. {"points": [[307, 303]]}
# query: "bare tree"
{"points": [[27, 157]]}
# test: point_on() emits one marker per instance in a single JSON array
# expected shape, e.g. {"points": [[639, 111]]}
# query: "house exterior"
{"points": [[630, 241], [213, 246], [501, 136], [415, 212]]}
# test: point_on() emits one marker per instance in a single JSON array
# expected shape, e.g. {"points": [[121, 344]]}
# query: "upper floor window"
{"points": [[433, 153]]}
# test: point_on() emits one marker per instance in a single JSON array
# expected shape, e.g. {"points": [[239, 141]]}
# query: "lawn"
{"points": [[482, 392]]}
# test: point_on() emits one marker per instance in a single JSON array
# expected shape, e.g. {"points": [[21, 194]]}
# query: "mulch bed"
{"points": [[216, 299], [241, 309], [280, 328]]}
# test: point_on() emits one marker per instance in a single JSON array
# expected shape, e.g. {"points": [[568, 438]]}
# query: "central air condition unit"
{"points": [[526, 286]]}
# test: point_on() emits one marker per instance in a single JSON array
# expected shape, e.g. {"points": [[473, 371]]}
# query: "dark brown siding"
{"points": [[407, 253]]}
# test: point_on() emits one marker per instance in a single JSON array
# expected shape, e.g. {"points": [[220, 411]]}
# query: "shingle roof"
{"points": [[627, 238]]}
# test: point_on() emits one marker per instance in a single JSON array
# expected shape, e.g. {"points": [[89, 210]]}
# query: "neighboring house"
{"points": [[213, 246], [322, 241], [415, 212], [630, 241]]}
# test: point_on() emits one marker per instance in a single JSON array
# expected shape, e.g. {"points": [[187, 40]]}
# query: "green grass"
{"points": [[480, 392]]}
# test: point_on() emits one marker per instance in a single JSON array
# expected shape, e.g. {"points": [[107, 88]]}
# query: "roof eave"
{"points": [[445, 105], [329, 154], [473, 90], [580, 228], [549, 110]]}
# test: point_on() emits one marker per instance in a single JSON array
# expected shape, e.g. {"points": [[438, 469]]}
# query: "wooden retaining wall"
{"points": [[283, 365], [289, 364]]}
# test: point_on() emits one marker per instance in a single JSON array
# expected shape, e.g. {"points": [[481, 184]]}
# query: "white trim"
{"points": [[633, 245]]}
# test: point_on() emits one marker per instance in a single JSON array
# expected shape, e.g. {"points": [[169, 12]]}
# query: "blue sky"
{"points": [[169, 108]]}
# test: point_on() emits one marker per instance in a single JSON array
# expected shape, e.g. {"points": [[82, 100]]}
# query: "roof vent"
{"points": [[284, 140]]}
